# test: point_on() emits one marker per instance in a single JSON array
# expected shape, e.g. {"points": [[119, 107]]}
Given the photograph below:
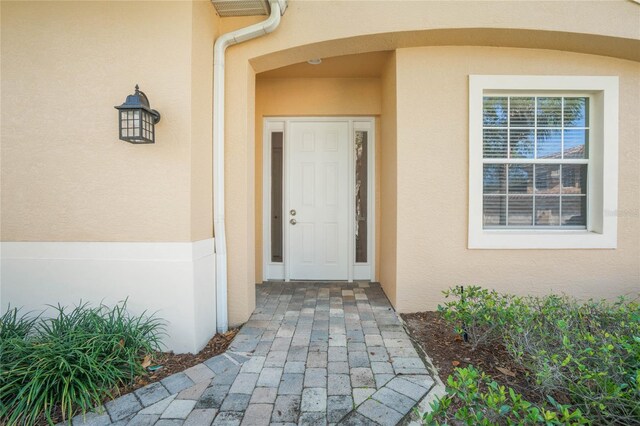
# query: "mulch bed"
{"points": [[171, 363], [174, 363], [448, 351]]}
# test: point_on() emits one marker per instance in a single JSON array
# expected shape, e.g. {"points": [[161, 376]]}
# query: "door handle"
{"points": [[292, 212], [293, 221]]}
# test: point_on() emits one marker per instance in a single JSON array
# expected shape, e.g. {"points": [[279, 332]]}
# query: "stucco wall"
{"points": [[389, 182], [312, 29], [85, 216], [65, 174], [308, 97], [204, 30], [432, 187]]}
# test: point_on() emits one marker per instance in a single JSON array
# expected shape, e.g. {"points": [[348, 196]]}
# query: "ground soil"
{"points": [[170, 363], [448, 350]]}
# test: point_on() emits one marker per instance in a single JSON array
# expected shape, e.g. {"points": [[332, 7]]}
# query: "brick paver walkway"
{"points": [[311, 354]]}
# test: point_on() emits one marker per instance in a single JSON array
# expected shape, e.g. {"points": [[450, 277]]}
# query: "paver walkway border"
{"points": [[311, 353]]}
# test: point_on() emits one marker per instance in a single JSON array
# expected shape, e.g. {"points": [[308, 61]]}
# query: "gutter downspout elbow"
{"points": [[222, 42]]}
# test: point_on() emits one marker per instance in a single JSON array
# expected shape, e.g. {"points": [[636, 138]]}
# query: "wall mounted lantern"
{"points": [[137, 119]]}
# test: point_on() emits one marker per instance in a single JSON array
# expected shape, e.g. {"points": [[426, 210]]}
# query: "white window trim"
{"points": [[602, 188]]}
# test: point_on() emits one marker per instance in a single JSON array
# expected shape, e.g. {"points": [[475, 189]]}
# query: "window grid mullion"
{"points": [[535, 156], [508, 131], [506, 198], [561, 139]]}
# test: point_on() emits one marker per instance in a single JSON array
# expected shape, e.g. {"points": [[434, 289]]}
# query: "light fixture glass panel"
{"points": [[361, 191]]}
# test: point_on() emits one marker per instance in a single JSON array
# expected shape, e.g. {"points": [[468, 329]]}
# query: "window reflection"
{"points": [[361, 147], [276, 197]]}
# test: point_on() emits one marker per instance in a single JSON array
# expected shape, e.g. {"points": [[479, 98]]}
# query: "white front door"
{"points": [[317, 211]]}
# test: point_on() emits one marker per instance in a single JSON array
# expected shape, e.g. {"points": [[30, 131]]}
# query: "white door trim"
{"points": [[280, 271]]}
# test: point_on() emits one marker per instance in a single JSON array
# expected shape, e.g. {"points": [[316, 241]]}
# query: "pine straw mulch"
{"points": [[449, 351]]}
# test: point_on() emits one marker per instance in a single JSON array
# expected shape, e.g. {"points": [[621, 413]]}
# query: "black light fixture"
{"points": [[137, 119]]}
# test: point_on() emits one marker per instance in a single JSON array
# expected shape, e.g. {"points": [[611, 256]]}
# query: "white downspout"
{"points": [[221, 44]]}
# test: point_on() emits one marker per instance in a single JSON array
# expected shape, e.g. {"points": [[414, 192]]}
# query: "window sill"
{"points": [[549, 239]]}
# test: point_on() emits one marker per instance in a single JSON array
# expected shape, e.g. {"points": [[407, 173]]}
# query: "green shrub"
{"points": [[71, 361], [589, 352], [477, 312], [474, 399]]}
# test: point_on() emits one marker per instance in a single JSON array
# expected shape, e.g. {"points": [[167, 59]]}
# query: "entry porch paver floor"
{"points": [[311, 354]]}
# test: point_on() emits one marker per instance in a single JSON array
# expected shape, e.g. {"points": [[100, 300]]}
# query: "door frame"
{"points": [[280, 270]]}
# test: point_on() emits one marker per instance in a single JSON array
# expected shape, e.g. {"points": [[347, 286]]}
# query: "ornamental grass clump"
{"points": [[69, 363], [587, 352]]}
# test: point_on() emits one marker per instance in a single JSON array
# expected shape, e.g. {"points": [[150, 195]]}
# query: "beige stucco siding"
{"points": [[388, 182], [313, 29], [65, 174], [432, 187], [203, 34], [311, 97]]}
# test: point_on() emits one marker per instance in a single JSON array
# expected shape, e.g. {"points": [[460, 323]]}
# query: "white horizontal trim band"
{"points": [[120, 251]]}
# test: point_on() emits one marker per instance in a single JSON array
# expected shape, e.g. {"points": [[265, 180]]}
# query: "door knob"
{"points": [[293, 221], [292, 212]]}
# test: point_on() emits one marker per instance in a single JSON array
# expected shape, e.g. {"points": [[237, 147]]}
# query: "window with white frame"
{"points": [[543, 162]]}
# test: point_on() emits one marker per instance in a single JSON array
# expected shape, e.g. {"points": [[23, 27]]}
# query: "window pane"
{"points": [[495, 179], [521, 143], [494, 142], [494, 210], [361, 148], [276, 197], [520, 210], [574, 178], [548, 211], [494, 112], [521, 178], [549, 144], [547, 178], [576, 112], [574, 210], [549, 112], [522, 112], [575, 143]]}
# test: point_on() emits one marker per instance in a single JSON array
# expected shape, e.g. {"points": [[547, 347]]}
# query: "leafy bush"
{"points": [[70, 362], [589, 352], [474, 399], [477, 313]]}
